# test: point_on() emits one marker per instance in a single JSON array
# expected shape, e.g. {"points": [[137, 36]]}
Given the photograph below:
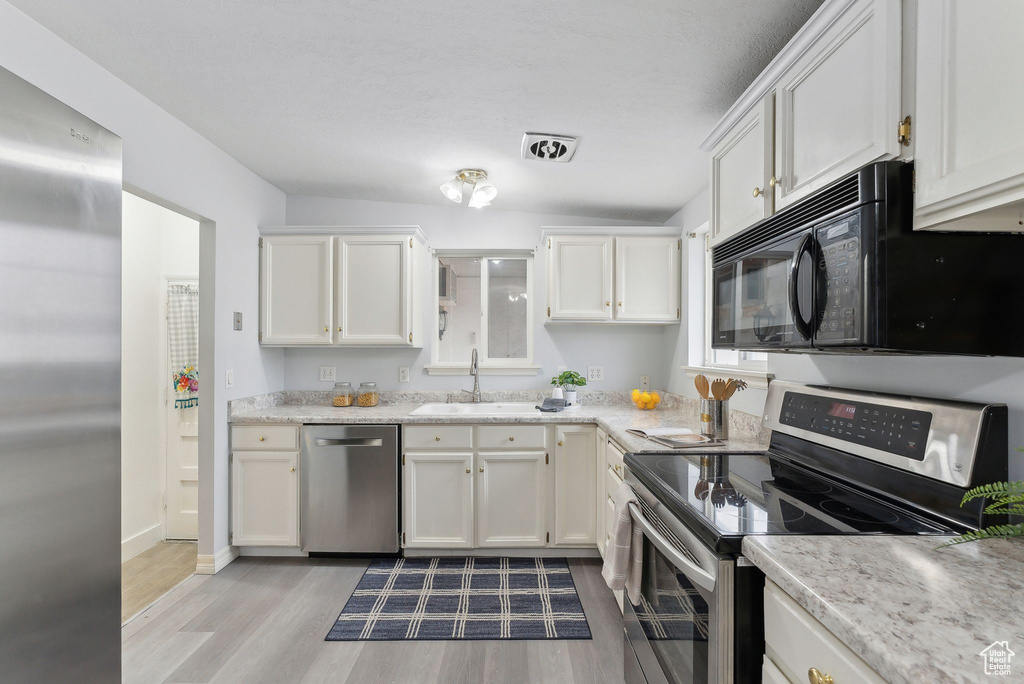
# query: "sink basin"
{"points": [[482, 409]]}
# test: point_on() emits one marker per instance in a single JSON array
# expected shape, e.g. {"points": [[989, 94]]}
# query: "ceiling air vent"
{"points": [[547, 147]]}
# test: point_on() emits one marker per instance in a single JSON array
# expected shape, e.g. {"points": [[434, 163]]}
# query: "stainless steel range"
{"points": [[839, 462]]}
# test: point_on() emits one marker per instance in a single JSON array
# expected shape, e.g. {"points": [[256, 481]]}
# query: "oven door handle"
{"points": [[804, 328], [696, 574]]}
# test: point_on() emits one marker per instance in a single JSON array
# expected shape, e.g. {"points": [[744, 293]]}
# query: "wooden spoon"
{"points": [[701, 382], [718, 388], [730, 389]]}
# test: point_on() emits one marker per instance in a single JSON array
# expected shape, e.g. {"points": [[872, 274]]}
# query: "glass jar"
{"points": [[342, 394], [368, 394]]}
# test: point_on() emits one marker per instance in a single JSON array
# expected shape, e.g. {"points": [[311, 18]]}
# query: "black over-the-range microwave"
{"points": [[843, 271]]}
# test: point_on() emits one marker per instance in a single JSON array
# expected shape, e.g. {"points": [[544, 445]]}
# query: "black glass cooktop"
{"points": [[723, 497]]}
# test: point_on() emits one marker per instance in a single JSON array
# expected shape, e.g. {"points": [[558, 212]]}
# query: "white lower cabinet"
{"points": [[437, 495], [502, 487], [511, 496], [796, 643], [265, 498], [600, 493], [575, 484]]}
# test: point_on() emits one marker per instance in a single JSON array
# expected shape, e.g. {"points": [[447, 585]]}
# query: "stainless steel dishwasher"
{"points": [[349, 489]]}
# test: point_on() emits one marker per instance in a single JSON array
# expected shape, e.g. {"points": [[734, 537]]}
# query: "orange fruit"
{"points": [[650, 404]]}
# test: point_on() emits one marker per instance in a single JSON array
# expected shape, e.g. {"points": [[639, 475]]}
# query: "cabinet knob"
{"points": [[816, 677], [339, 328], [437, 438], [617, 467], [262, 438], [607, 303], [773, 182], [620, 305], [468, 471], [293, 469], [559, 443], [481, 470], [326, 328], [511, 438], [757, 192]]}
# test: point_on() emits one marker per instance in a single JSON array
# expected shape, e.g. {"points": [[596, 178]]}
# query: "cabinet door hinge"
{"points": [[549, 311], [261, 335], [679, 244], [231, 457], [261, 243], [677, 312], [903, 132], [410, 243], [545, 459], [547, 537], [403, 459], [410, 338], [231, 537], [403, 539], [549, 243]]}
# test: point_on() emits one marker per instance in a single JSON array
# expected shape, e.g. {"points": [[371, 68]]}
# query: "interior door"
{"points": [[580, 277], [373, 290], [181, 447], [647, 278], [295, 293], [511, 495], [838, 106]]}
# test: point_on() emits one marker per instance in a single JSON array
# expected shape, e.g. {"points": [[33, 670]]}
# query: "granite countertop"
{"points": [[614, 418], [912, 613]]}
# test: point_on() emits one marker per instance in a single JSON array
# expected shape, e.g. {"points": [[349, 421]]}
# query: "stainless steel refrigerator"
{"points": [[60, 413]]}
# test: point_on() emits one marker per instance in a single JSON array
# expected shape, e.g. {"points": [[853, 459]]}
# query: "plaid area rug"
{"points": [[463, 598]]}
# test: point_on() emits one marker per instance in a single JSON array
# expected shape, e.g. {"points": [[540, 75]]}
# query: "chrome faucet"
{"points": [[474, 370]]}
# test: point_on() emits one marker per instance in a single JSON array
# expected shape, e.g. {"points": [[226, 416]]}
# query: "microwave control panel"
{"points": [[839, 265], [899, 431]]}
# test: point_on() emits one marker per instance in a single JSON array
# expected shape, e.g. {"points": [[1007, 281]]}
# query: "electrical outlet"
{"points": [[403, 374], [645, 383], [595, 373], [229, 379], [327, 373]]}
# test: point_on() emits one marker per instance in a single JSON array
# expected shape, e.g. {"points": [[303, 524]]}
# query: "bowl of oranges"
{"points": [[646, 401]]}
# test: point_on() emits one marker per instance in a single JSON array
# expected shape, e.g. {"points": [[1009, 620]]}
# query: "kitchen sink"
{"points": [[481, 409]]}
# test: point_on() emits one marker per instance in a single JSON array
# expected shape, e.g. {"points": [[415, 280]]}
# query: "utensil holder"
{"points": [[714, 418]]}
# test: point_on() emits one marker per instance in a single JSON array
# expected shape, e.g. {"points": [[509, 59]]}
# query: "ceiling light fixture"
{"points": [[474, 183]]}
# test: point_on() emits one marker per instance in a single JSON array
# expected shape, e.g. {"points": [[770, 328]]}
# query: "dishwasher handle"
{"points": [[349, 442]]}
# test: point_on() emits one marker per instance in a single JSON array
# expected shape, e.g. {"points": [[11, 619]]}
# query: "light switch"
{"points": [[229, 379], [238, 320]]}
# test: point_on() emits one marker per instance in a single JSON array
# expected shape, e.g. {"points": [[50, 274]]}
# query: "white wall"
{"points": [[626, 352], [988, 380], [165, 158], [155, 242]]}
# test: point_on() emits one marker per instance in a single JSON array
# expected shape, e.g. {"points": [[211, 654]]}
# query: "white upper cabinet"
{"points": [[345, 288], [374, 290], [511, 496], [296, 277], [741, 170], [968, 147], [580, 277], [837, 107], [647, 278], [613, 278]]}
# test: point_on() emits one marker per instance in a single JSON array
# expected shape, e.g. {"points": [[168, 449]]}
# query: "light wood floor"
{"points": [[264, 620], [153, 573]]}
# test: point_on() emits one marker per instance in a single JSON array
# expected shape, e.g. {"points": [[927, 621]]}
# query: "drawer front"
{"points": [[439, 437], [275, 437], [796, 642], [511, 437], [612, 479], [613, 455]]}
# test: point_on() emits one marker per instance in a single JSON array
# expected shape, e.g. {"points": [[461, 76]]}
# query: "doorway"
{"points": [[161, 388]]}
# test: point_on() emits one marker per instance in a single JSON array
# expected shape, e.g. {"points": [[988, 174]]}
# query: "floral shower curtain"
{"points": [[183, 343]]}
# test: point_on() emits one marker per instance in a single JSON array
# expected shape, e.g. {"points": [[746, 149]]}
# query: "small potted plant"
{"points": [[568, 381]]}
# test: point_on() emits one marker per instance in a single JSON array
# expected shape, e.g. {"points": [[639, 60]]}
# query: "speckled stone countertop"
{"points": [[607, 410], [913, 613]]}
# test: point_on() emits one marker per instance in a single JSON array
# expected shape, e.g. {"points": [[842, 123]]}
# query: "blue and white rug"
{"points": [[463, 598]]}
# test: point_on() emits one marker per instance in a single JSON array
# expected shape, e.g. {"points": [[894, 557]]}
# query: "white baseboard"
{"points": [[211, 565], [133, 546], [590, 552]]}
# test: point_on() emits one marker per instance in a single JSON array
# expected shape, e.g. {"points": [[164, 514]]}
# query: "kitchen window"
{"points": [[751, 366], [483, 301]]}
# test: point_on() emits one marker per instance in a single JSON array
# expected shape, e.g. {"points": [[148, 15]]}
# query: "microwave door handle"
{"points": [[696, 574], [803, 327]]}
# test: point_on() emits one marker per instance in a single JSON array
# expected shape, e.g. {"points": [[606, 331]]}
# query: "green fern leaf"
{"points": [[994, 532], [995, 489], [1005, 502]]}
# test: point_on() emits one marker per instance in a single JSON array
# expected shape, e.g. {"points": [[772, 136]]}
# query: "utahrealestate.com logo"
{"points": [[997, 658]]}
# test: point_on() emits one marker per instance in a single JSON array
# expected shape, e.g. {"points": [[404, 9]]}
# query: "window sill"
{"points": [[463, 369], [755, 379]]}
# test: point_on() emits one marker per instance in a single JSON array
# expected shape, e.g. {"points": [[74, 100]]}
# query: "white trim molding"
{"points": [[755, 379], [136, 544], [345, 230], [211, 565], [463, 369]]}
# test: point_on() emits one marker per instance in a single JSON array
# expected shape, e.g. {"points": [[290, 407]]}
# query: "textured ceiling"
{"points": [[386, 100]]}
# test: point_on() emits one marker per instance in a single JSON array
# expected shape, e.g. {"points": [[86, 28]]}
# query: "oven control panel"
{"points": [[839, 265], [899, 431]]}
